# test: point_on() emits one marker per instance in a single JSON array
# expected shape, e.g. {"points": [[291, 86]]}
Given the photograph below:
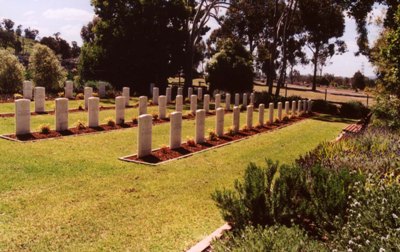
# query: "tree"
{"points": [[11, 72], [18, 31], [46, 68], [8, 25], [134, 43], [31, 33], [323, 21], [75, 50], [58, 45], [358, 81], [231, 68]]}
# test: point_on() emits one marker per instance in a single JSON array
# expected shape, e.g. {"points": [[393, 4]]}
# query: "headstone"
{"points": [[236, 119], [126, 93], [309, 107], [200, 125], [219, 122], [88, 92], [142, 105], [217, 101], [179, 103], [175, 138], [27, 89], [250, 116], [206, 103], [271, 113], [156, 93], [237, 100], [280, 111], [40, 99], [61, 114], [93, 112], [299, 106], [287, 108], [193, 104], [168, 93], [69, 90], [190, 92], [180, 91], [152, 85], [199, 93], [144, 135], [252, 98], [120, 110], [245, 99], [261, 109], [293, 108], [102, 89], [22, 116], [228, 101], [162, 106]]}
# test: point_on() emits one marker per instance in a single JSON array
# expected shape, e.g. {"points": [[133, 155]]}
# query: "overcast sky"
{"points": [[68, 17]]}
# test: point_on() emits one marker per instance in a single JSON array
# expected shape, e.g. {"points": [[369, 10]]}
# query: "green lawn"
{"points": [[73, 194]]}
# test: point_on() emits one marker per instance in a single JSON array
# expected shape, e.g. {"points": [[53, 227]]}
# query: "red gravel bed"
{"points": [[165, 154]]}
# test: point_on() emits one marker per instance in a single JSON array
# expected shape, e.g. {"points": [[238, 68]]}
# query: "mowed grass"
{"points": [[73, 194]]}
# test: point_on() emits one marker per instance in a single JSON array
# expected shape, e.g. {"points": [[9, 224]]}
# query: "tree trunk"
{"points": [[314, 84], [188, 69]]}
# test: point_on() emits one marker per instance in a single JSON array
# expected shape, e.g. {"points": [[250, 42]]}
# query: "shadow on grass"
{"points": [[333, 118]]}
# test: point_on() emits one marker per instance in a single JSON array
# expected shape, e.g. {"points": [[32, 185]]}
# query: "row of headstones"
{"points": [[145, 123], [29, 92], [23, 114]]}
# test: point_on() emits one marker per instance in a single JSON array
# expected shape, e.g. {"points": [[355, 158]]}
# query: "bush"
{"points": [[387, 112], [80, 96], [80, 125], [191, 142], [325, 107], [287, 195], [11, 72], [44, 129], [134, 120], [231, 69], [212, 136], [46, 69], [110, 122], [354, 109], [276, 238]]}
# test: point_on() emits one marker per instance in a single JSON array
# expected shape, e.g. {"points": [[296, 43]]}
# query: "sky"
{"points": [[68, 17]]}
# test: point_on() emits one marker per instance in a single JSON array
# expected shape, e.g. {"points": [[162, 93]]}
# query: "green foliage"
{"points": [[275, 238], [387, 112], [11, 72], [231, 68], [358, 81], [325, 107], [46, 68], [110, 122], [353, 109], [44, 128], [287, 195]]}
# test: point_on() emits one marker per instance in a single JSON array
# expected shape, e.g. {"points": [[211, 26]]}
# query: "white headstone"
{"points": [[102, 89], [287, 108], [179, 103], [40, 99], [156, 93], [206, 103], [88, 92], [126, 92], [245, 99], [299, 106], [175, 138], [252, 98], [219, 122], [193, 103], [120, 110], [293, 108], [168, 93], [162, 106], [199, 93], [180, 91], [271, 113], [217, 101], [280, 111], [61, 114], [152, 85], [237, 100], [69, 90], [200, 124], [190, 92], [236, 118], [144, 135], [22, 116], [142, 105], [93, 112], [261, 110], [27, 89], [250, 116], [228, 101]]}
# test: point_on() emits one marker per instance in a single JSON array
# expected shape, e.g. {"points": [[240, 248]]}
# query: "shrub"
{"points": [[80, 96], [353, 109], [231, 131], [191, 142], [387, 112], [18, 96], [44, 129], [245, 128], [110, 122], [325, 107], [134, 120], [155, 116], [164, 149], [11, 72], [80, 125], [46, 69], [212, 136], [287, 195]]}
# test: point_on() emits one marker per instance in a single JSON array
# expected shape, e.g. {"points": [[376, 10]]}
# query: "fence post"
{"points": [[326, 93]]}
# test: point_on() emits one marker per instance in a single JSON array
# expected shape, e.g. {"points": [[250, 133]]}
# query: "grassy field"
{"points": [[73, 194]]}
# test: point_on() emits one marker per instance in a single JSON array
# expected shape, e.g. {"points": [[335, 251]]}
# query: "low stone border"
{"points": [[206, 242], [126, 158]]}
